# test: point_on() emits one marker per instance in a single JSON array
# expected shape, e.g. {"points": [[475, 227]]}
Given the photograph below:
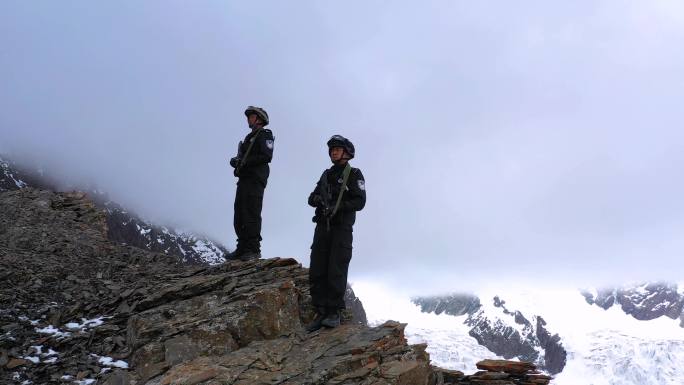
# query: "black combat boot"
{"points": [[317, 322], [332, 319], [249, 255], [234, 255]]}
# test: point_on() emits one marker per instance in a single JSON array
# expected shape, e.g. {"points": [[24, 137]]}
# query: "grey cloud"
{"points": [[535, 139]]}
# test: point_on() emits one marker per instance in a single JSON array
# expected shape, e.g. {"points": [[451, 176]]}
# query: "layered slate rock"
{"points": [[75, 306], [350, 354], [495, 372]]}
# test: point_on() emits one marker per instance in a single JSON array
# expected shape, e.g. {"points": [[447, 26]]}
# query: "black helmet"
{"points": [[260, 112], [341, 141]]}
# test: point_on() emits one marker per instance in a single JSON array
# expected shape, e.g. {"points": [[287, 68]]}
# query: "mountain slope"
{"points": [[77, 308], [124, 226]]}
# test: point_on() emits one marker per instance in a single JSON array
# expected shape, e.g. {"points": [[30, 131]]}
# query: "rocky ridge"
{"points": [[123, 226], [76, 308]]}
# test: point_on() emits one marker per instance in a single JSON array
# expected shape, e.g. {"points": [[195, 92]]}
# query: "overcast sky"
{"points": [[499, 140]]}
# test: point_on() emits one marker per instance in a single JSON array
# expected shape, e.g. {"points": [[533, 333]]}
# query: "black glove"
{"points": [[318, 201], [235, 161]]}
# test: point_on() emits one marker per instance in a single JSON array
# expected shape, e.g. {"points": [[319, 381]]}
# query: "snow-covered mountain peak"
{"points": [[603, 346], [644, 301]]}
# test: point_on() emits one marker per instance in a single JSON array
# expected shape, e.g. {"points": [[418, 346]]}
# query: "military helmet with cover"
{"points": [[341, 141], [260, 112]]}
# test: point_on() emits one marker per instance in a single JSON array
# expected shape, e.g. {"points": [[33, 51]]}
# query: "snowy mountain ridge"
{"points": [[643, 301], [603, 346], [508, 333]]}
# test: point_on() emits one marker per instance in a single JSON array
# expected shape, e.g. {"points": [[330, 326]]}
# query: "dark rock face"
{"points": [[10, 179], [502, 339], [510, 334], [74, 305], [555, 356], [355, 307], [643, 302]]}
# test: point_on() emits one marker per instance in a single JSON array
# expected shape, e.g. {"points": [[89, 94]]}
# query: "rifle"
{"points": [[326, 195], [239, 152], [243, 160]]}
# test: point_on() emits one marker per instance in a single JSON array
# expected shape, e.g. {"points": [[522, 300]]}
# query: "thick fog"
{"points": [[500, 141]]}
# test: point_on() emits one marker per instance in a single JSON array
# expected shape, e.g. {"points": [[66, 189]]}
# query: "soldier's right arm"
{"points": [[313, 197], [316, 198]]}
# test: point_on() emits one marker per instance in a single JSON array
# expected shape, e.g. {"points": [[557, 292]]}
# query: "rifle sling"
{"points": [[345, 178], [249, 148]]}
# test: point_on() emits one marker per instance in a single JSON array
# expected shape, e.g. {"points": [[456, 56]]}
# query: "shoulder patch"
{"points": [[362, 184], [269, 144]]}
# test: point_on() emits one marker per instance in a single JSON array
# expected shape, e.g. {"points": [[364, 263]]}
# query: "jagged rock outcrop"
{"points": [[345, 355], [495, 372], [75, 306], [355, 307]]}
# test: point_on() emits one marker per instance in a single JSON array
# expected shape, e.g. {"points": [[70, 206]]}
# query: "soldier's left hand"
{"points": [[318, 201]]}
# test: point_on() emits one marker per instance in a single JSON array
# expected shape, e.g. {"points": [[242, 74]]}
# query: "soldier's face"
{"points": [[252, 119], [336, 153]]}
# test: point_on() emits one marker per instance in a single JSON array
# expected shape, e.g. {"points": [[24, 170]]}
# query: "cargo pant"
{"points": [[331, 253], [249, 198]]}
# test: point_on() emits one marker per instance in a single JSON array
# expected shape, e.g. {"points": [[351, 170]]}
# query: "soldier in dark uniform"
{"points": [[339, 194], [252, 170]]}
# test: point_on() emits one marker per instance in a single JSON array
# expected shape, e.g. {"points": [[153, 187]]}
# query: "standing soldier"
{"points": [[339, 194], [252, 170]]}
